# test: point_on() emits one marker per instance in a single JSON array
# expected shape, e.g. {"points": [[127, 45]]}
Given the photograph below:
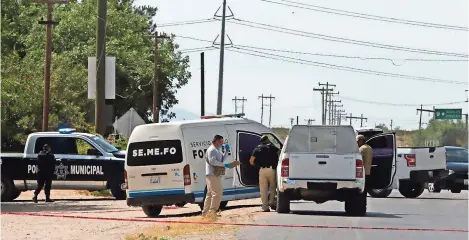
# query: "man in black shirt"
{"points": [[266, 157], [46, 165]]}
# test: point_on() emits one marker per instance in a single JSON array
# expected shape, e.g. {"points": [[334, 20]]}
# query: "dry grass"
{"points": [[103, 193], [169, 231]]}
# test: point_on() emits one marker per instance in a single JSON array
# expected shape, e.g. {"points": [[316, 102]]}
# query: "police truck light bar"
{"points": [[237, 115], [67, 130]]}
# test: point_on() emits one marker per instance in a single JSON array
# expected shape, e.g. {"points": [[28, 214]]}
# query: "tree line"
{"points": [[129, 32]]}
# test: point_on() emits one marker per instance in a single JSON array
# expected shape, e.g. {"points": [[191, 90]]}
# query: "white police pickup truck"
{"points": [[84, 162], [323, 163]]}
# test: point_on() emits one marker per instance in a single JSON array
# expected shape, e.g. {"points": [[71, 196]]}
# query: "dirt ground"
{"points": [[77, 216]]}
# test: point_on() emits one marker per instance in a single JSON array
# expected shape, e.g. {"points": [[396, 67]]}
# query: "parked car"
{"points": [[457, 164]]}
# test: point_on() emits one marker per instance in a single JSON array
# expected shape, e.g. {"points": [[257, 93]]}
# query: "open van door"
{"points": [[246, 142], [383, 166]]}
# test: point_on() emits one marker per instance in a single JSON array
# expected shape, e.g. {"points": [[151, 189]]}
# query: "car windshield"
{"points": [[104, 144]]}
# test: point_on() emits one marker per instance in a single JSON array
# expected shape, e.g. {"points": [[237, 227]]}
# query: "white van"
{"points": [[323, 163], [165, 162]]}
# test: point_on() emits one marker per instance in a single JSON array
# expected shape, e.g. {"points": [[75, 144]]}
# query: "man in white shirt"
{"points": [[214, 171]]}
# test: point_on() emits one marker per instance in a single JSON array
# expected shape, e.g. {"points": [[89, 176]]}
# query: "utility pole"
{"points": [[331, 110], [47, 60], [421, 110], [328, 96], [100, 115], [156, 83], [323, 102], [297, 120], [334, 113], [222, 58], [309, 121], [202, 84], [340, 116], [391, 125], [361, 119], [262, 97], [236, 99], [465, 115], [291, 121]]}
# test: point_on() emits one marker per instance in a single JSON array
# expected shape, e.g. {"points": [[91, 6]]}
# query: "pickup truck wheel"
{"points": [[283, 203], [355, 204], [7, 189], [411, 189], [15, 194], [455, 190], [117, 191], [152, 210], [379, 193], [181, 204]]}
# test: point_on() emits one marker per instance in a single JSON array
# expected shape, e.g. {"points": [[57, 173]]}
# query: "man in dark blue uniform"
{"points": [[266, 157], [46, 165]]}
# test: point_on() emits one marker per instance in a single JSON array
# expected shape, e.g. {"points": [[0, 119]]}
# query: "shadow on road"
{"points": [[65, 200], [198, 213], [57, 206], [431, 198], [343, 214]]}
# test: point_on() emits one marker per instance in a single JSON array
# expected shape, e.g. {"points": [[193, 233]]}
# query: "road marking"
{"points": [[237, 224]]}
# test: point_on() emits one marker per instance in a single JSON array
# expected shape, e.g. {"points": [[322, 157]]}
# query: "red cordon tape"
{"points": [[237, 224], [107, 211]]}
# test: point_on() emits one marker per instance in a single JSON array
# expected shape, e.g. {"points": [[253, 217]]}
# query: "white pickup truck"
{"points": [[323, 163], [415, 168]]}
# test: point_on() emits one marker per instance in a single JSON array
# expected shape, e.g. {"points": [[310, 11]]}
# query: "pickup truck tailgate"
{"points": [[429, 158], [318, 166]]}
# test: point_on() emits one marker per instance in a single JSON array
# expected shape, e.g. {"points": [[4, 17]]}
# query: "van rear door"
{"points": [[322, 152], [155, 167]]}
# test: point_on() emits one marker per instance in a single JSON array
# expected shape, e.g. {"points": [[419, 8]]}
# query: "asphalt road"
{"points": [[430, 211]]}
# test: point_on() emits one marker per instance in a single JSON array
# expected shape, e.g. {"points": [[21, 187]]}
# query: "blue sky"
{"points": [[292, 84]]}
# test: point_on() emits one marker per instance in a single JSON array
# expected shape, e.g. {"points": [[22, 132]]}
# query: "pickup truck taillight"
{"points": [[125, 180], [187, 175], [285, 170], [411, 160], [358, 168]]}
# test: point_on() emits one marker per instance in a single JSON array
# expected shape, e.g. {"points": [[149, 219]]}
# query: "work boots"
{"points": [[35, 199], [48, 199]]}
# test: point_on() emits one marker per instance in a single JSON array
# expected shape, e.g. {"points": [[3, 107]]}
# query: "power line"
{"points": [[339, 39], [190, 22], [366, 16], [338, 67], [398, 104], [355, 57]]}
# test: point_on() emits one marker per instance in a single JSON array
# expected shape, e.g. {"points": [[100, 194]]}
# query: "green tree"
{"points": [[129, 39]]}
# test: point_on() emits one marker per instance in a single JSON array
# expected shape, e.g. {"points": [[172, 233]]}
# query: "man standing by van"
{"points": [[367, 156], [266, 156], [214, 171]]}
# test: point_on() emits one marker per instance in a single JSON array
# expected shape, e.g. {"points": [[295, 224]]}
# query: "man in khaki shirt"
{"points": [[367, 155]]}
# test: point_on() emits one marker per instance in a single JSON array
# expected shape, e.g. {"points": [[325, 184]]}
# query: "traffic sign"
{"points": [[448, 114]]}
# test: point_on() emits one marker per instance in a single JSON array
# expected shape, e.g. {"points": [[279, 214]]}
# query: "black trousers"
{"points": [[367, 182], [44, 181]]}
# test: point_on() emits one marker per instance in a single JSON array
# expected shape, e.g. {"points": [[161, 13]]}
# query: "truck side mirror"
{"points": [[93, 152]]}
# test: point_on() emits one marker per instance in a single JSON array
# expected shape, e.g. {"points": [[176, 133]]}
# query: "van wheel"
{"points": [[152, 210], [7, 189], [355, 204], [379, 193], [411, 189], [283, 202], [116, 189]]}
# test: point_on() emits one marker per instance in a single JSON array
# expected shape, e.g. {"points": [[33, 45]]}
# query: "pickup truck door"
{"points": [[383, 167], [74, 168]]}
